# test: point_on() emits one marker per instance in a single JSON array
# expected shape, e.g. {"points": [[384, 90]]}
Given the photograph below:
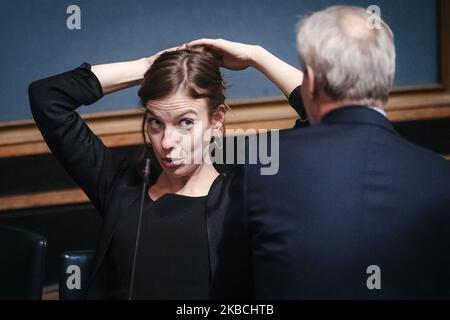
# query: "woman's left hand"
{"points": [[152, 58]]}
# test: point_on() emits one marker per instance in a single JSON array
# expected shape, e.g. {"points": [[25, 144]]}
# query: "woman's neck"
{"points": [[196, 185]]}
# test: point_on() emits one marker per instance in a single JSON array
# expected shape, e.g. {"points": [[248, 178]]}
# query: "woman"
{"points": [[182, 92]]}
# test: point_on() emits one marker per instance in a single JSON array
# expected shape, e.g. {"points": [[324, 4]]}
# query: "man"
{"points": [[355, 211]]}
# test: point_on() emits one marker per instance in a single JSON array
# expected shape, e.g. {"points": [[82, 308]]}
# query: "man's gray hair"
{"points": [[350, 60]]}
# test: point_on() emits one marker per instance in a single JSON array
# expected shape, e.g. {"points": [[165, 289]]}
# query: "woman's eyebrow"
{"points": [[151, 116]]}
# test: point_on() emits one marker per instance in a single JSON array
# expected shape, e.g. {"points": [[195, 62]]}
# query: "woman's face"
{"points": [[179, 129]]}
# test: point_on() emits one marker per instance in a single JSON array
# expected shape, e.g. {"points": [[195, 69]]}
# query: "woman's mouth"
{"points": [[172, 162]]}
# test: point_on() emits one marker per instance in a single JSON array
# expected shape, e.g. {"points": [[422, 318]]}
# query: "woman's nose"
{"points": [[170, 139]]}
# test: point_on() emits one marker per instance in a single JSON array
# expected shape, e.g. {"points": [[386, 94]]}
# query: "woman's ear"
{"points": [[218, 117]]}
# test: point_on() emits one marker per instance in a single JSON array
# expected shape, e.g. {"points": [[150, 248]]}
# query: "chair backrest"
{"points": [[22, 263], [74, 273]]}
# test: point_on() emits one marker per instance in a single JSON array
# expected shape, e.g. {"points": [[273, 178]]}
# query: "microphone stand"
{"points": [[146, 181]]}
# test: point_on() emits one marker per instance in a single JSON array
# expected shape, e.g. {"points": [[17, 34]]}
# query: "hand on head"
{"points": [[233, 55], [152, 58]]}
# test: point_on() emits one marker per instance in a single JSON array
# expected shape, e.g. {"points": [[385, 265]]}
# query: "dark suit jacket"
{"points": [[108, 178], [350, 193]]}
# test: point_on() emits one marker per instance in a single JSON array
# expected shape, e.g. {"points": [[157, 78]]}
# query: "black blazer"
{"points": [[350, 193], [108, 178]]}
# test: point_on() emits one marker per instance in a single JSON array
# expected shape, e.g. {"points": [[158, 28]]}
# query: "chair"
{"points": [[22, 263], [74, 273]]}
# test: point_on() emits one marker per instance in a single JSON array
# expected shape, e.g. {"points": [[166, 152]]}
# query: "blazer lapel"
{"points": [[215, 213]]}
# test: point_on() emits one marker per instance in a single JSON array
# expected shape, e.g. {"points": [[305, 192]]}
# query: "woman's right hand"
{"points": [[233, 55]]}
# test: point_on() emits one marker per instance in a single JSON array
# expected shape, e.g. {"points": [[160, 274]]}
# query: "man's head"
{"points": [[346, 62]]}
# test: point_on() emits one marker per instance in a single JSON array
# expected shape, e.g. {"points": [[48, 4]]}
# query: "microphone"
{"points": [[146, 181]]}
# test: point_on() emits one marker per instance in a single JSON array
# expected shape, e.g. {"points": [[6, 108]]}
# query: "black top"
{"points": [[172, 260]]}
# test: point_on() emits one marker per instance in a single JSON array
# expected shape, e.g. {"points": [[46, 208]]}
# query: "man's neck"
{"points": [[328, 106]]}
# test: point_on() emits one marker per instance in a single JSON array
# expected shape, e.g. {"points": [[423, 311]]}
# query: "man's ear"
{"points": [[311, 87]]}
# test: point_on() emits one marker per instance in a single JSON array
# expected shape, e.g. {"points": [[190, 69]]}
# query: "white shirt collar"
{"points": [[379, 110]]}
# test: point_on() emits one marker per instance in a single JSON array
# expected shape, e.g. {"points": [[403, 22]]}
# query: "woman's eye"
{"points": [[186, 123], [154, 123]]}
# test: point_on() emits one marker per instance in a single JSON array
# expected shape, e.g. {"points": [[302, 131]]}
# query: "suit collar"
{"points": [[358, 114]]}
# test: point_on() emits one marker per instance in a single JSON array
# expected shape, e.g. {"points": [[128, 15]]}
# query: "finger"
{"points": [[202, 42], [171, 49], [167, 50]]}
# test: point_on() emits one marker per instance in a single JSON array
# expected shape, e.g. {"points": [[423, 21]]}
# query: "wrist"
{"points": [[255, 56], [146, 63], [141, 67]]}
